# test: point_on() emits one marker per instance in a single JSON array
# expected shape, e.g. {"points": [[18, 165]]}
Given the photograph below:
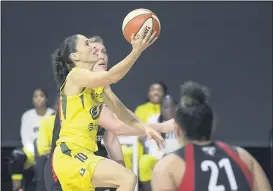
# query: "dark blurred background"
{"points": [[226, 46]]}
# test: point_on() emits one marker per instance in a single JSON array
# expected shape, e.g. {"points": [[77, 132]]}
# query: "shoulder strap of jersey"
{"points": [[238, 160], [187, 183]]}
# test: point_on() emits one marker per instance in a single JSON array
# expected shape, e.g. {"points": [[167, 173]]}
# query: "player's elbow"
{"points": [[114, 79]]}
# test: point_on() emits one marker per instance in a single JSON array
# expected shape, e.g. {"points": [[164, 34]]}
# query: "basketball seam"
{"points": [[131, 20]]}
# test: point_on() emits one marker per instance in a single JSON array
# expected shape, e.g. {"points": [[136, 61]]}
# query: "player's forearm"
{"points": [[123, 114], [122, 68], [113, 147], [165, 127]]}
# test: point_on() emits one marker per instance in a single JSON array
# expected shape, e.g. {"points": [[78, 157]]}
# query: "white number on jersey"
{"points": [[214, 168]]}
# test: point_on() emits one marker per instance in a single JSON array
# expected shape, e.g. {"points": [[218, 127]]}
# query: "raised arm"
{"points": [[113, 147], [85, 78]]}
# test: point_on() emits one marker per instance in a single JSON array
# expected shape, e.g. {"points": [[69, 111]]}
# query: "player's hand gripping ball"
{"points": [[139, 19]]}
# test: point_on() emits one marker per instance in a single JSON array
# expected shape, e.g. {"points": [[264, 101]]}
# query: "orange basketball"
{"points": [[138, 19]]}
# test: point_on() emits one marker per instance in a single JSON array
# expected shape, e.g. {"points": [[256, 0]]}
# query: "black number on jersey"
{"points": [[214, 169], [80, 156]]}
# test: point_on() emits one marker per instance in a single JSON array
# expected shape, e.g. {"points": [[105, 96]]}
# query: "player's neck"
{"points": [[197, 142], [41, 111]]}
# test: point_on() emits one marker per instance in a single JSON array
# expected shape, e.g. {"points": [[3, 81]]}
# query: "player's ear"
{"points": [[74, 57]]}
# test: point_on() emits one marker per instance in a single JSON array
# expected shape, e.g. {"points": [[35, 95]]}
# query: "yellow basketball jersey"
{"points": [[80, 117]]}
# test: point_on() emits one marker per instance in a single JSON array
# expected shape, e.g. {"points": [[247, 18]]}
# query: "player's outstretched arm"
{"points": [[260, 181], [113, 147], [128, 117], [164, 127], [109, 121], [85, 78]]}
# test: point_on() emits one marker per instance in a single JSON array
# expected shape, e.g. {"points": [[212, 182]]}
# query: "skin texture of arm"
{"points": [[163, 170], [125, 115], [85, 78], [260, 181], [113, 147], [109, 121]]}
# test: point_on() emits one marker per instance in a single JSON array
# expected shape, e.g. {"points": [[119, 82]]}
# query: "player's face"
{"points": [[84, 54], [155, 93], [168, 109], [100, 52], [39, 99]]}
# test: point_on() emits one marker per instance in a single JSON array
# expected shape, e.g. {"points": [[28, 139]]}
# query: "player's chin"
{"points": [[100, 69], [155, 99]]}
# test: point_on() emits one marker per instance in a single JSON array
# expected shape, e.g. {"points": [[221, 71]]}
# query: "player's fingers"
{"points": [[132, 37], [149, 136], [160, 144], [160, 141], [151, 38], [141, 33], [153, 41]]}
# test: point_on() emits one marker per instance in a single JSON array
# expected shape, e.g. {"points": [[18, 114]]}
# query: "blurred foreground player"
{"points": [[202, 164]]}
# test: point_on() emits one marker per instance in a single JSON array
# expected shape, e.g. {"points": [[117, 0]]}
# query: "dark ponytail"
{"points": [[61, 61], [60, 70]]}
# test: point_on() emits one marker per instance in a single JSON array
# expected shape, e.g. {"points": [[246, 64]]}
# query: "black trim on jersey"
{"points": [[65, 150], [180, 152], [56, 130], [82, 99], [64, 105]]}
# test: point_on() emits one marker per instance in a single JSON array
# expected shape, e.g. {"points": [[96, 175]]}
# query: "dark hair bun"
{"points": [[193, 93]]}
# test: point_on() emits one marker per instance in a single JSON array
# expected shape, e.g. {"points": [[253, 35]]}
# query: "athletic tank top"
{"points": [[79, 117], [214, 167]]}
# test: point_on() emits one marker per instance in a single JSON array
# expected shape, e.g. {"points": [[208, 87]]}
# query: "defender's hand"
{"points": [[140, 43], [152, 134]]}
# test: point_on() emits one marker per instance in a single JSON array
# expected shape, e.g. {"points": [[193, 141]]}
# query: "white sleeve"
{"points": [[26, 133]]}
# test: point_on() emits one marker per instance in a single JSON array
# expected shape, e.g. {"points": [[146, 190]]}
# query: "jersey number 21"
{"points": [[214, 169]]}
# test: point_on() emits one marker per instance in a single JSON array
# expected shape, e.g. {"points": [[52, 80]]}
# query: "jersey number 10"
{"points": [[214, 168]]}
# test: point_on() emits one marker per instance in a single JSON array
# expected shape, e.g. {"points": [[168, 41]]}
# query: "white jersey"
{"points": [[30, 123], [170, 141]]}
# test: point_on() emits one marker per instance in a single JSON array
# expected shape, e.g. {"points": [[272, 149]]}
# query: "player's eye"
{"points": [[87, 43]]}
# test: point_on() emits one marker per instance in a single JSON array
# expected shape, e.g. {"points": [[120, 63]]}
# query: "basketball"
{"points": [[138, 19]]}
